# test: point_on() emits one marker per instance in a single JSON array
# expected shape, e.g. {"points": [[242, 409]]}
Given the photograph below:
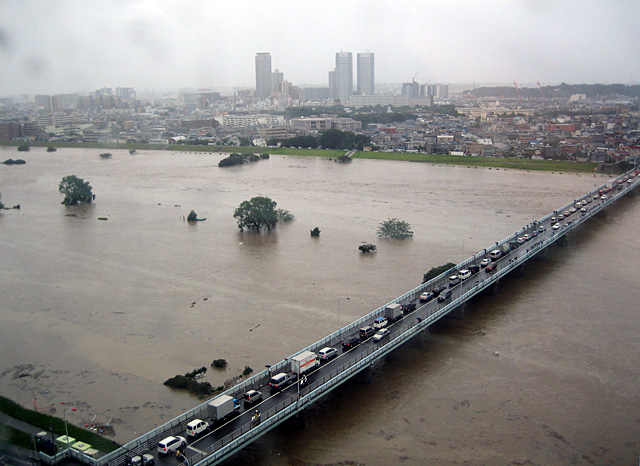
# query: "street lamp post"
{"points": [[339, 310], [463, 240], [298, 400], [66, 429]]}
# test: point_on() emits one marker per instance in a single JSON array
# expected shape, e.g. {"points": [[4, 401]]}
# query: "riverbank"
{"points": [[489, 162], [20, 420]]}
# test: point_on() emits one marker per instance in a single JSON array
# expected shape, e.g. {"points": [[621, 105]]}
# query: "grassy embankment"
{"points": [[44, 421], [15, 437], [495, 162]]}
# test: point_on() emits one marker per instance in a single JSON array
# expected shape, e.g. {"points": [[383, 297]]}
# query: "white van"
{"points": [[197, 426], [495, 254], [464, 274], [171, 444]]}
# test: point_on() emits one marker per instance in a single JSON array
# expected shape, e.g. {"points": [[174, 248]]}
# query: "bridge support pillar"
{"points": [[300, 419], [365, 376], [491, 290], [562, 242], [602, 214], [541, 256], [296, 422], [458, 312], [420, 340], [518, 271]]}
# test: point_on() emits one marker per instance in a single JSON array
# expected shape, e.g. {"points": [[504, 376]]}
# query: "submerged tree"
{"points": [[315, 232], [285, 216], [233, 159], [192, 217], [75, 190], [259, 212], [394, 228], [435, 271]]}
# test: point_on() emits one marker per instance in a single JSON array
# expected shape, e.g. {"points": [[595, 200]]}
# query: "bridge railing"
{"points": [[275, 415]]}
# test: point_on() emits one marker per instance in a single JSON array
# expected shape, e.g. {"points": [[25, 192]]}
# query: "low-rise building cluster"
{"points": [[575, 128]]}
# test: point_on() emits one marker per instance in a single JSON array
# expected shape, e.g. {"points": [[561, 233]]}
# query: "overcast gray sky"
{"points": [[61, 46]]}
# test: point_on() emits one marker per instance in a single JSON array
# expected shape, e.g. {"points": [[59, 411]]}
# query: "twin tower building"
{"points": [[340, 79]]}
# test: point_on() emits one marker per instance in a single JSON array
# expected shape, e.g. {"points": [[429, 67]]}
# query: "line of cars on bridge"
{"points": [[378, 329], [489, 264]]}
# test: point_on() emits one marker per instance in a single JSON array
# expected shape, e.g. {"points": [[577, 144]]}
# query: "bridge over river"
{"points": [[222, 441]]}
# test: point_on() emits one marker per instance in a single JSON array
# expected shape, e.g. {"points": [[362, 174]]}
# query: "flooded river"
{"points": [[99, 313]]}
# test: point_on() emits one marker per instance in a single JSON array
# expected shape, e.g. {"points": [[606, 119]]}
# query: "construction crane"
{"points": [[517, 90], [540, 89], [413, 80]]}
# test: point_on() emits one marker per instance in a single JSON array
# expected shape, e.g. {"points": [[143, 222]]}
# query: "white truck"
{"points": [[304, 362], [223, 407], [393, 312]]}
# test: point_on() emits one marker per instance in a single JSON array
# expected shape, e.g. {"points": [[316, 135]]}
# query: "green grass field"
{"points": [[521, 164], [44, 421], [15, 437], [495, 162]]}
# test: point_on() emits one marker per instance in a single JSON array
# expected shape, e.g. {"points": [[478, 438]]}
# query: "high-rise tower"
{"points": [[263, 75], [366, 74], [344, 75], [277, 78]]}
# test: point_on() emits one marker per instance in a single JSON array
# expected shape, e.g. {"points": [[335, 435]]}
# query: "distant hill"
{"points": [[562, 90]]}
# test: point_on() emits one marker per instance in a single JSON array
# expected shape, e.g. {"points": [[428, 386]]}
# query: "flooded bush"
{"points": [[219, 363], [367, 248], [285, 216], [196, 373], [435, 271], [188, 382], [14, 162]]}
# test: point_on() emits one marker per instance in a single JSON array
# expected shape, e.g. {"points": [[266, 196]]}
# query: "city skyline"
{"points": [[63, 47]]}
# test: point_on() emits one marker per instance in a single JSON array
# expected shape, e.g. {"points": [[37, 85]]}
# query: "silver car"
{"points": [[327, 353], [144, 460], [381, 334]]}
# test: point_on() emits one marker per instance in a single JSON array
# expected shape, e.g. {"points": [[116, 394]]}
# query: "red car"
{"points": [[491, 267]]}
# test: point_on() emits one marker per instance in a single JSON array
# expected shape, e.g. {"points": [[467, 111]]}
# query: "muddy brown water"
{"points": [[99, 313]]}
